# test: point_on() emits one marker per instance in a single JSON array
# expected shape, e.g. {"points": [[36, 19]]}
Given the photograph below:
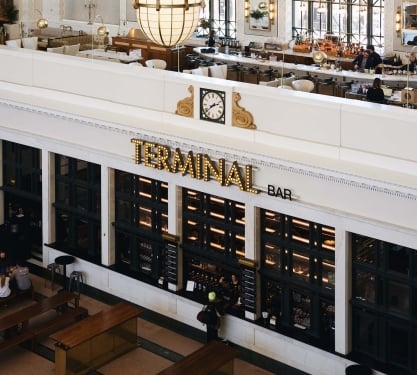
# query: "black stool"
{"points": [[358, 370], [53, 269], [76, 279]]}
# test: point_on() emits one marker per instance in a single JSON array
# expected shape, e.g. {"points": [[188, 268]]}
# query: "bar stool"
{"points": [[358, 370], [76, 279], [53, 269]]}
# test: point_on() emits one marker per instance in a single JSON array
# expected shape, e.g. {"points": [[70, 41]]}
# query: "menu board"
{"points": [[173, 259], [249, 289]]}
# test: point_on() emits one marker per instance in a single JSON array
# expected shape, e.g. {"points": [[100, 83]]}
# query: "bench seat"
{"points": [[57, 322], [16, 340], [17, 295]]}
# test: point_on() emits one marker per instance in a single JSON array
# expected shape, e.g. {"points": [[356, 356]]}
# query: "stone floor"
{"points": [[159, 348]]}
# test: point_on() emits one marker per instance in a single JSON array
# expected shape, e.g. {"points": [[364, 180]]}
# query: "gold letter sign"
{"points": [[198, 166]]}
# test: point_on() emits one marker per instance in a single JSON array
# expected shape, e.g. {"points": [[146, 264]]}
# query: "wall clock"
{"points": [[212, 105]]}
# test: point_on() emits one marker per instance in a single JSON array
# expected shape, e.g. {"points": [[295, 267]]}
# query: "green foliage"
{"points": [[11, 13], [258, 14]]}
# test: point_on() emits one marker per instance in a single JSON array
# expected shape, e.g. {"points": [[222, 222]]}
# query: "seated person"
{"points": [[4, 286], [20, 275], [375, 93], [3, 263], [360, 61], [412, 63]]}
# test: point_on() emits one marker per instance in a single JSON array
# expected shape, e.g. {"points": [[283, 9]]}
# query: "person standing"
{"points": [[212, 41], [373, 59], [214, 311]]}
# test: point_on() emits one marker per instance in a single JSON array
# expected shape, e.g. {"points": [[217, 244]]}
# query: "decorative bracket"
{"points": [[240, 117], [185, 107]]}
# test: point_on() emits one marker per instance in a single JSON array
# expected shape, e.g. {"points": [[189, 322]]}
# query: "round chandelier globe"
{"points": [[168, 22]]}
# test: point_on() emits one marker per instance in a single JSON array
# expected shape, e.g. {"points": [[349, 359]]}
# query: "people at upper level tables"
{"points": [[373, 59], [412, 63], [360, 61], [212, 41], [4, 286], [375, 93]]}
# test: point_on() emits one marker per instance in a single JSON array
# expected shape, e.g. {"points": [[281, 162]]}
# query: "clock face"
{"points": [[212, 105]]}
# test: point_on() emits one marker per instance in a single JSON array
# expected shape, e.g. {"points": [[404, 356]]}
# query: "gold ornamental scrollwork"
{"points": [[240, 117], [185, 107]]}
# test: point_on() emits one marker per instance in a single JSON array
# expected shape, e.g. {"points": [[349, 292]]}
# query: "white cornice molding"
{"points": [[232, 154]]}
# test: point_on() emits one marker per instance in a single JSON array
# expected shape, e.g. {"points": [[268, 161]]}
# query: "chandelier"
{"points": [[168, 22]]}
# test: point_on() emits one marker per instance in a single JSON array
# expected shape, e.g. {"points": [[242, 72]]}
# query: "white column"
{"points": [[342, 293], [107, 216]]}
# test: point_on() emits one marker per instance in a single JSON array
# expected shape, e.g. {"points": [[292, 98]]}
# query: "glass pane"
{"points": [[145, 187], [328, 273], [63, 165], [273, 301], [301, 308], [191, 231], [272, 256], [399, 348], [398, 297], [300, 231], [272, 223], [145, 216], [301, 266], [82, 235], [123, 211], [81, 170], [364, 249], [217, 238], [399, 259], [364, 286], [192, 201]]}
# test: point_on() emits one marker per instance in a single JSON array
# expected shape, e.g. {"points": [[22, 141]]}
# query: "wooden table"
{"points": [[24, 315], [96, 340], [212, 358]]}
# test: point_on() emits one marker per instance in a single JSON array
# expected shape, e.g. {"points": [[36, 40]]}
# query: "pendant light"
{"points": [[168, 22]]}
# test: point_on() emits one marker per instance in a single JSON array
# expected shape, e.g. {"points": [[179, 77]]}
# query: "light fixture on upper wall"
{"points": [[398, 21], [271, 11], [41, 23], [247, 10], [168, 22]]}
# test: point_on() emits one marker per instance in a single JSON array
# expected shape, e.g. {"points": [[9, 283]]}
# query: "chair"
{"points": [[274, 83], [53, 269], [76, 279], [304, 85], [156, 64]]}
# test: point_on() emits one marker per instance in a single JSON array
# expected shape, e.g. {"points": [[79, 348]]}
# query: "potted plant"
{"points": [[12, 28], [258, 14], [205, 25], [11, 13]]}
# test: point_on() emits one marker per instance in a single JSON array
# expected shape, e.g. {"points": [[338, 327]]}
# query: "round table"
{"points": [[64, 260]]}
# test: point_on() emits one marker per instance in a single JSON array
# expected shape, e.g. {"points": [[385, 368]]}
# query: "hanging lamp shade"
{"points": [[168, 22], [41, 23]]}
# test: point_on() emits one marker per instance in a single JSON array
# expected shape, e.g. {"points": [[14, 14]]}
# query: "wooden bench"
{"points": [[16, 324], [212, 358], [111, 332], [65, 317], [17, 295]]}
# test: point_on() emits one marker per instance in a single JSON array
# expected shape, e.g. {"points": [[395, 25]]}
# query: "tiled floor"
{"points": [[159, 347]]}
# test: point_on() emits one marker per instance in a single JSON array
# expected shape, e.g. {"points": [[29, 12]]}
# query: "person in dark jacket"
{"points": [[214, 310], [373, 59], [375, 93], [212, 40]]}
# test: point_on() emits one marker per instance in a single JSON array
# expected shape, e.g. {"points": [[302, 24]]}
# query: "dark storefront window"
{"points": [[213, 242], [21, 234], [141, 217], [298, 277], [78, 207], [384, 304]]}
